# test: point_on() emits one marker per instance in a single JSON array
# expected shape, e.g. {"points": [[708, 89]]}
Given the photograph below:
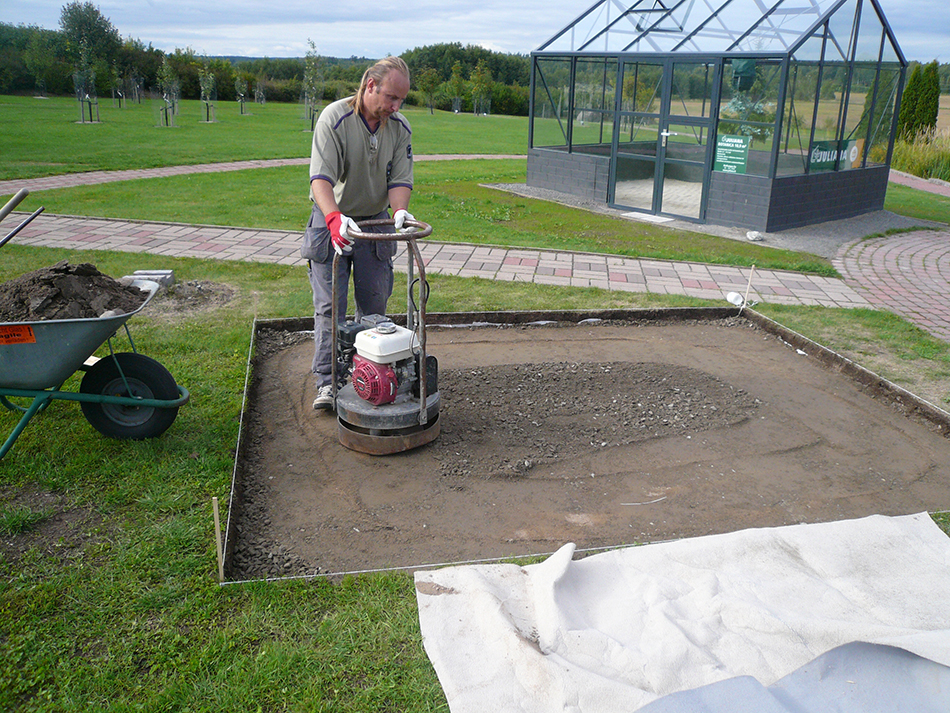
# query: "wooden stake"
{"points": [[747, 287], [217, 539]]}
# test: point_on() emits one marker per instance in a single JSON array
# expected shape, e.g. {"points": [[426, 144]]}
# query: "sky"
{"points": [[344, 28]]}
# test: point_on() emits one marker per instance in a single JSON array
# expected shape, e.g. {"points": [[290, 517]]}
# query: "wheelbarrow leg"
{"points": [[39, 402]]}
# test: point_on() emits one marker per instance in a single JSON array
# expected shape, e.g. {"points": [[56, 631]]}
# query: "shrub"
{"points": [[926, 156]]}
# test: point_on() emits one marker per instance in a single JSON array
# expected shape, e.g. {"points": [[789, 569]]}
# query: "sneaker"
{"points": [[324, 400]]}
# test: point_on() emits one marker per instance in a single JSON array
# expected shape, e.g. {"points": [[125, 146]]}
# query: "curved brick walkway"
{"points": [[908, 274]]}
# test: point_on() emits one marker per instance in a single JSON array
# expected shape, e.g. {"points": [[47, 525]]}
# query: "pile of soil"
{"points": [[64, 291]]}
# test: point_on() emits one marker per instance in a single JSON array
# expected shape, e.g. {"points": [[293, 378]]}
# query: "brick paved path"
{"points": [[541, 266]]}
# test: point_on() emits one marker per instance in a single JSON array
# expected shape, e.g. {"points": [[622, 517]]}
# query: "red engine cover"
{"points": [[374, 382]]}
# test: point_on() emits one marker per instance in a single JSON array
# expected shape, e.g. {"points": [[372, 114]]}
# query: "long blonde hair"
{"points": [[378, 72]]}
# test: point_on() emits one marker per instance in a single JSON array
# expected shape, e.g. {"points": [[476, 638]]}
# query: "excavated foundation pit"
{"points": [[599, 429]]}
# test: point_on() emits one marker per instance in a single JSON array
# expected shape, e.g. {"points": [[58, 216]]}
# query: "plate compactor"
{"points": [[386, 390]]}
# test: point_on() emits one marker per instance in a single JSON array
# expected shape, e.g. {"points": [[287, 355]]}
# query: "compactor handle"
{"points": [[13, 202], [423, 230]]}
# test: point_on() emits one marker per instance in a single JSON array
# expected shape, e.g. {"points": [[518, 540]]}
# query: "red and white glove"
{"points": [[399, 221], [338, 225]]}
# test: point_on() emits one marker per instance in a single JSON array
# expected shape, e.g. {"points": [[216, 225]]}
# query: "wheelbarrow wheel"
{"points": [[146, 379]]}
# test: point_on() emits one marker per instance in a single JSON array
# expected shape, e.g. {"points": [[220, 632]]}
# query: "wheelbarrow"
{"points": [[125, 395]]}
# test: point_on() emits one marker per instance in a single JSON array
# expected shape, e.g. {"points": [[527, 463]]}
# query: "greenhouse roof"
{"points": [[721, 26]]}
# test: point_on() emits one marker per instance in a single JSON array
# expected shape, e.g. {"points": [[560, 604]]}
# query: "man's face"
{"points": [[384, 99]]}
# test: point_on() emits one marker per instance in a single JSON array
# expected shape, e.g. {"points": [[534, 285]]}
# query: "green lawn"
{"points": [[43, 137], [917, 204], [118, 609]]}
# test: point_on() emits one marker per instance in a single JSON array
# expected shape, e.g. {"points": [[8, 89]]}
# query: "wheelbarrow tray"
{"points": [[42, 355]]}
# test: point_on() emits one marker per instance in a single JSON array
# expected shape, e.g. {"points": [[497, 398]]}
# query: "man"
{"points": [[360, 165]]}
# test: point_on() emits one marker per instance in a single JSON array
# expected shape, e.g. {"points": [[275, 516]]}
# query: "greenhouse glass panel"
{"points": [[642, 87], [606, 26], [692, 89], [756, 26], [639, 135], [747, 105], [860, 106], [890, 57], [594, 98], [801, 93], [870, 35], [883, 118], [781, 25], [672, 29], [830, 99], [811, 49], [841, 33], [684, 170], [634, 183], [552, 92], [594, 84], [686, 142]]}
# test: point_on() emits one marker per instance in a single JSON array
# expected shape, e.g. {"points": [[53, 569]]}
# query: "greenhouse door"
{"points": [[661, 141]]}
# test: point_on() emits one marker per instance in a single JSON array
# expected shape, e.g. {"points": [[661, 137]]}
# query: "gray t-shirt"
{"points": [[360, 165]]}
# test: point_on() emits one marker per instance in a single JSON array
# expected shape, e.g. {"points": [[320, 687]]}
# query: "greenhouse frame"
{"points": [[761, 114]]}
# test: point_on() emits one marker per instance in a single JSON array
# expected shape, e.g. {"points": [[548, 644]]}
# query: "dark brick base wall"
{"points": [[789, 202], [577, 174], [739, 200], [820, 197], [744, 201]]}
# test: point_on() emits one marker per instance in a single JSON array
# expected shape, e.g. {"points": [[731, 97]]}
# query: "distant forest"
{"points": [[88, 55]]}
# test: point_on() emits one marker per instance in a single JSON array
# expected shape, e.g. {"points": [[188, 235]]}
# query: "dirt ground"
{"points": [[599, 434]]}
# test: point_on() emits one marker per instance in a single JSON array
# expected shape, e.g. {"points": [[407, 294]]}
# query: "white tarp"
{"points": [[619, 630]]}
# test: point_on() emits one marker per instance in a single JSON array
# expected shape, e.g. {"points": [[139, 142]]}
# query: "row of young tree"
{"points": [[88, 55]]}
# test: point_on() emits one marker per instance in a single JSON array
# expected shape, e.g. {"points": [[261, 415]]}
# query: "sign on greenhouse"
{"points": [[824, 155], [732, 154]]}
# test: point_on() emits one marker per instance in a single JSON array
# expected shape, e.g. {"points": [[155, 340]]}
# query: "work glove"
{"points": [[399, 221], [339, 224]]}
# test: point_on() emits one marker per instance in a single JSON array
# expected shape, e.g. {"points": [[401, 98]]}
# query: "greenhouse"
{"points": [[761, 114]]}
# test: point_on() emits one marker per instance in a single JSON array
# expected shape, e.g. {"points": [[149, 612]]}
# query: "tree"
{"points": [[312, 82], [207, 81], [185, 64], [481, 88], [505, 68], [40, 55], [89, 33], [457, 87], [928, 100], [168, 82], [428, 81], [907, 118], [139, 66]]}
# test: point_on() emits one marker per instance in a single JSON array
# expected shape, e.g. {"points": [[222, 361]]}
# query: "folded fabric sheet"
{"points": [[620, 630]]}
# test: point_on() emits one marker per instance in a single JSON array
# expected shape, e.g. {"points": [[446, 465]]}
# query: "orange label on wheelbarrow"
{"points": [[17, 334]]}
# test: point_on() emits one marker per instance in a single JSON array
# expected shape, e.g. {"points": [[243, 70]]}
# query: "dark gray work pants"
{"points": [[371, 266]]}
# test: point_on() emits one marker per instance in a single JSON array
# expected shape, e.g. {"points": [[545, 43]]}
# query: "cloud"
{"points": [[345, 28]]}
